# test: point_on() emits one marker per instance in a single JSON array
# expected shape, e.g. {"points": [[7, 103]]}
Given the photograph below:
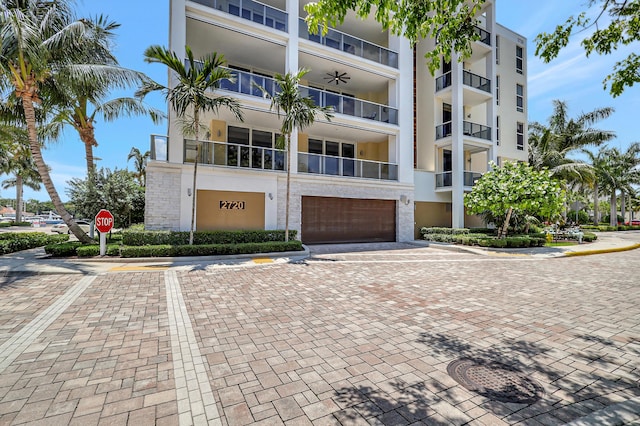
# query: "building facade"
{"points": [[367, 174]]}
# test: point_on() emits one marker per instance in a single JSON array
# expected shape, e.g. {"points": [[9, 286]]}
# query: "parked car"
{"points": [[62, 228], [635, 222]]}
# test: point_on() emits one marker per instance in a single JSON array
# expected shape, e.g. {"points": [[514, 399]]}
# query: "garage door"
{"points": [[347, 220]]}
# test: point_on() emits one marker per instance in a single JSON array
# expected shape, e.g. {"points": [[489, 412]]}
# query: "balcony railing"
{"points": [[485, 36], [468, 129], [159, 147], [445, 179], [476, 130], [350, 167], [250, 83], [351, 106], [476, 81], [235, 155], [251, 10], [350, 44], [468, 79]]}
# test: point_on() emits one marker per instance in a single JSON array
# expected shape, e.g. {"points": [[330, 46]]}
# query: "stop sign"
{"points": [[104, 221]]}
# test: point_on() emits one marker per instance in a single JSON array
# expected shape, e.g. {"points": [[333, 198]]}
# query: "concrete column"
{"points": [[177, 42], [491, 74], [404, 90], [291, 65], [457, 143]]}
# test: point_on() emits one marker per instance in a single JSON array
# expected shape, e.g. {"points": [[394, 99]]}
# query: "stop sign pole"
{"points": [[104, 223]]}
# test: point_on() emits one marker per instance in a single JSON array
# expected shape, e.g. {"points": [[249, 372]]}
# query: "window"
{"points": [[520, 136], [497, 50], [519, 97], [497, 90], [519, 62], [497, 130]]}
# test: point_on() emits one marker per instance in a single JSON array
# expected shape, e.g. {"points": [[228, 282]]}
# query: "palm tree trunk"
{"points": [[88, 152], [195, 175], [34, 144], [613, 211], [623, 199], [18, 198], [286, 214], [596, 209]]}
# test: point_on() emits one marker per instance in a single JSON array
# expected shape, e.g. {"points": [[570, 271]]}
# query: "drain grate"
{"points": [[495, 381]]}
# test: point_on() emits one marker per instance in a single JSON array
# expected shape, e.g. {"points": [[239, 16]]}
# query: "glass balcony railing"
{"points": [[351, 106], [468, 129], [476, 130], [350, 44], [476, 81], [445, 179], [235, 155], [468, 79], [485, 36], [251, 10], [249, 84], [350, 167], [159, 147]]}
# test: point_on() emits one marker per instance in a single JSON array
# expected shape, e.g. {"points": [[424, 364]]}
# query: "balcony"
{"points": [[349, 105], [350, 44], [468, 129], [236, 155], [445, 179], [485, 36], [468, 79], [250, 10], [248, 83], [348, 167]]}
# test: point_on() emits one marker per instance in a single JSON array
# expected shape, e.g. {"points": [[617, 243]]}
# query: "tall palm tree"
{"points": [[38, 43], [551, 145], [81, 101], [194, 89], [625, 164], [599, 163], [298, 112], [140, 163], [24, 174]]}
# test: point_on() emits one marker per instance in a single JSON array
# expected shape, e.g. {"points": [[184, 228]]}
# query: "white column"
{"points": [[291, 65], [457, 144], [404, 91], [177, 42], [491, 74]]}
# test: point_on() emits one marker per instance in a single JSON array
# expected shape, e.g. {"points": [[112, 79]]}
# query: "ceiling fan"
{"points": [[337, 77]]}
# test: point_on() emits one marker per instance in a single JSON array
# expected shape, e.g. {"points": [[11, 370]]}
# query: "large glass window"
{"points": [[520, 136], [520, 97], [519, 59]]}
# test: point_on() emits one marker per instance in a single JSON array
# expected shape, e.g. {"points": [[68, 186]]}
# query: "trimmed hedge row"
{"points": [[167, 250], [8, 224], [175, 238], [605, 228], [484, 240], [443, 231], [11, 242]]}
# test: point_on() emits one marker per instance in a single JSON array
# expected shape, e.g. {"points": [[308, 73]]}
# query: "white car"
{"points": [[62, 228]]}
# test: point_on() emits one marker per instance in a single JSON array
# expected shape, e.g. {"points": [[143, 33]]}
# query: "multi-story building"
{"points": [[359, 176]]}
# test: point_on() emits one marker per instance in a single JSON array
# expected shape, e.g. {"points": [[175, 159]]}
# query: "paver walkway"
{"points": [[342, 338]]}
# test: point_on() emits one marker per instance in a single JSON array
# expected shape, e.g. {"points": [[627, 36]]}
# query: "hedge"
{"points": [[8, 224], [175, 238], [483, 240], [92, 250], [443, 230], [11, 242], [168, 250]]}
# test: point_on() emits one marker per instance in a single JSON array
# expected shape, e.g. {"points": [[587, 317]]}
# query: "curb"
{"points": [[600, 251]]}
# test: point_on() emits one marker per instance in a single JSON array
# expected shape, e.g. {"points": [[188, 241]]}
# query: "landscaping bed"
{"points": [[484, 237]]}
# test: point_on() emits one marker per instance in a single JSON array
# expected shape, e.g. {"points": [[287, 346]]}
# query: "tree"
{"points": [[81, 101], [621, 30], [38, 44], [515, 188], [297, 112], [118, 189], [451, 23], [598, 162], [193, 90], [25, 174], [140, 163]]}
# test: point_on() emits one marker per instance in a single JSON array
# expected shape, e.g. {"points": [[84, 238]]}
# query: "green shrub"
{"points": [[11, 242], [208, 249], [63, 249], [589, 237], [136, 238]]}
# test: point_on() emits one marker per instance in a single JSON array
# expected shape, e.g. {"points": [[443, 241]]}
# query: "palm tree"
{"points": [[602, 178], [38, 44], [25, 174], [78, 97], [625, 175], [140, 163], [298, 112], [197, 81]]}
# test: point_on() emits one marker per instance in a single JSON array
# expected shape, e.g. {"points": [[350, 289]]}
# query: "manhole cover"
{"points": [[496, 381]]}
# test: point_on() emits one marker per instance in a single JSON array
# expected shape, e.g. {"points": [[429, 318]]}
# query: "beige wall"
{"points": [[373, 151], [216, 126], [431, 214], [303, 142], [246, 210]]}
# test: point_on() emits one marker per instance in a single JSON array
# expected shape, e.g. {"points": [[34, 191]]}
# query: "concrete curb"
{"points": [[600, 251]]}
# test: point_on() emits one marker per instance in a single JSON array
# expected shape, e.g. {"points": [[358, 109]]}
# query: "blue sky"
{"points": [[571, 77]]}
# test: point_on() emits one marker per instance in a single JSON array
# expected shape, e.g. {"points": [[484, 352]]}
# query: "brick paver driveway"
{"points": [[360, 337]]}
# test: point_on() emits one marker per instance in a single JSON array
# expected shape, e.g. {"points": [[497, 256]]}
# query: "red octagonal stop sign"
{"points": [[104, 221]]}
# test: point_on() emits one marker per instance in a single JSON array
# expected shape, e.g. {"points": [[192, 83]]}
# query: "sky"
{"points": [[571, 77]]}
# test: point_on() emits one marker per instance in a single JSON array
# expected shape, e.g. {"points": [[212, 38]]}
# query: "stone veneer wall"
{"points": [[162, 207], [319, 187]]}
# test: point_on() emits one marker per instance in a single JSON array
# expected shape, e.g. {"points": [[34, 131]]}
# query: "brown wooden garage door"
{"points": [[347, 220]]}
